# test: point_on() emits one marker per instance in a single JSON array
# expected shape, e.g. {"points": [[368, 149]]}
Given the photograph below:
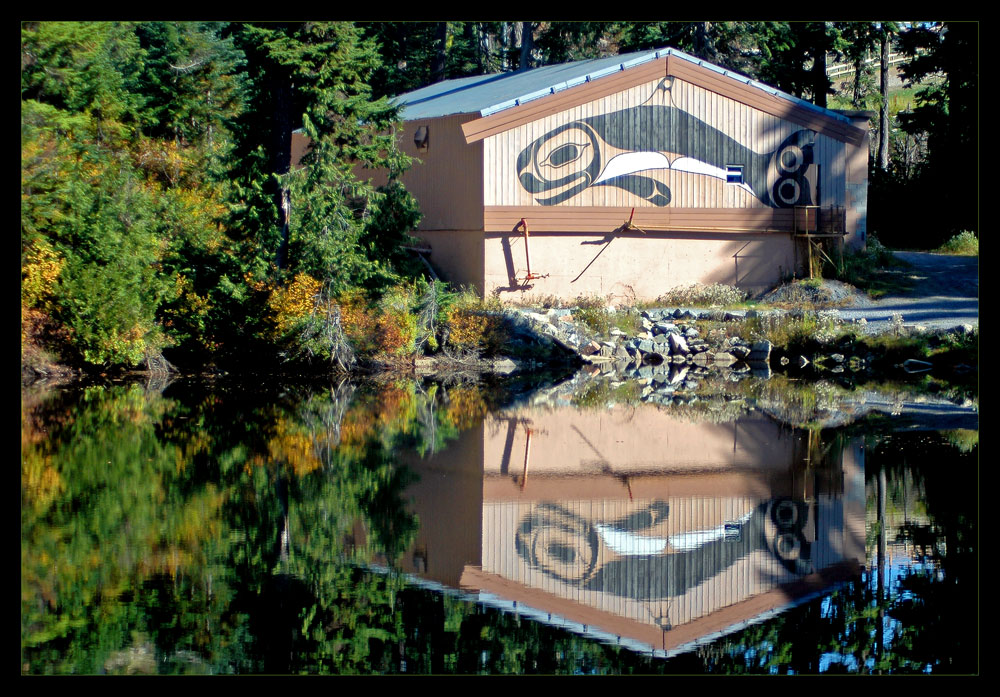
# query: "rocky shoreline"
{"points": [[672, 347], [672, 350]]}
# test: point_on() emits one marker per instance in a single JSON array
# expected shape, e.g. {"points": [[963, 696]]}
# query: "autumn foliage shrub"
{"points": [[396, 325], [476, 324]]}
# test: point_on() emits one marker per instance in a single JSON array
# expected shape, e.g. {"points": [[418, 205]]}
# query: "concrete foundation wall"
{"points": [[634, 266], [457, 255]]}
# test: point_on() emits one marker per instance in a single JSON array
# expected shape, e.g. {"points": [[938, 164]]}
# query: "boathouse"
{"points": [[627, 176]]}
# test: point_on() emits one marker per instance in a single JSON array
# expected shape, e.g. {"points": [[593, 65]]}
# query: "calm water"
{"points": [[424, 528]]}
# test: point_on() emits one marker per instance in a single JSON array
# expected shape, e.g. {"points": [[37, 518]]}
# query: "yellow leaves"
{"points": [[295, 446], [294, 302], [162, 158], [41, 483], [39, 275], [357, 319], [466, 407], [475, 323], [120, 347]]}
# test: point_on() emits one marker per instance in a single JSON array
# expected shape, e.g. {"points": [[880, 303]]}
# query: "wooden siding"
{"points": [[447, 177], [758, 131], [560, 101], [730, 87], [765, 102]]}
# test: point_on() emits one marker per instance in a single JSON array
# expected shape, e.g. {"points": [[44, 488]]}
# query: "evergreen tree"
{"points": [[944, 60]]}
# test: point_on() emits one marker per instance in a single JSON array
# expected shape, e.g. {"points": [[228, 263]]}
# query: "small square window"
{"points": [[734, 174]]}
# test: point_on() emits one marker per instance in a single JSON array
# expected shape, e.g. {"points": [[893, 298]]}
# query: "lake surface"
{"points": [[590, 527]]}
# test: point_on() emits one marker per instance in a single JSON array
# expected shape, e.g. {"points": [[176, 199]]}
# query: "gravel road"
{"points": [[945, 294]]}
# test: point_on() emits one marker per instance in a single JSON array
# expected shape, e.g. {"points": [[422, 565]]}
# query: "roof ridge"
{"points": [[608, 65]]}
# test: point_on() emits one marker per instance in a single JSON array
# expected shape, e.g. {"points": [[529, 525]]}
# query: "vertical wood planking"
{"points": [[757, 130]]}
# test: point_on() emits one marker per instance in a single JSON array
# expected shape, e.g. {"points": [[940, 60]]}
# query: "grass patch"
{"points": [[700, 295], [875, 270], [964, 244], [964, 439], [785, 331], [598, 314]]}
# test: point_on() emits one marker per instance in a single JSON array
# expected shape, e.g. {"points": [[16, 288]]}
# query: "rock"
{"points": [[504, 366], [760, 352], [678, 344], [739, 352], [722, 358], [837, 357]]}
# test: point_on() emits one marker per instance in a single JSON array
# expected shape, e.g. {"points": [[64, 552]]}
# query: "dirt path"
{"points": [[943, 293]]}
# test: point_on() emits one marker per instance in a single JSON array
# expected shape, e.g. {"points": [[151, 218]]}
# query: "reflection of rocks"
{"points": [[685, 384], [668, 336]]}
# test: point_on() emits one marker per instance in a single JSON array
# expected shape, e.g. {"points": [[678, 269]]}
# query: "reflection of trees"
{"points": [[924, 618], [210, 531]]}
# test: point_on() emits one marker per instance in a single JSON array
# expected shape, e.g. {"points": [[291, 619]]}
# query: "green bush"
{"points": [[965, 244]]}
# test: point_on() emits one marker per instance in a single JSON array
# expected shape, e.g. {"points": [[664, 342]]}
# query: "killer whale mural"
{"points": [[626, 558], [575, 156]]}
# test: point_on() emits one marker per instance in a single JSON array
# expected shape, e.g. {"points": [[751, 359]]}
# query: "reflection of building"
{"points": [[654, 531]]}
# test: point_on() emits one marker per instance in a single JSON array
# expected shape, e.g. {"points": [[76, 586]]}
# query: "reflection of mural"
{"points": [[577, 155], [625, 557]]}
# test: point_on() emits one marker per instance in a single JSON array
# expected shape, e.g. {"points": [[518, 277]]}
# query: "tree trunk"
{"points": [[883, 117], [859, 68], [819, 79], [527, 45], [440, 53], [282, 158]]}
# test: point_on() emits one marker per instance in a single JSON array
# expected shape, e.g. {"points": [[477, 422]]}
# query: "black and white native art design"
{"points": [[575, 156]]}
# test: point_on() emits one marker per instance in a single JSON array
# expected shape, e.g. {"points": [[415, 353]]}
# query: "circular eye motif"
{"points": [[788, 168], [785, 514], [787, 191], [565, 154], [788, 546], [559, 543], [790, 159], [784, 535]]}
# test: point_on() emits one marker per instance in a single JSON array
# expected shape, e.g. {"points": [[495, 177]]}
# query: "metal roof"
{"points": [[488, 94]]}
